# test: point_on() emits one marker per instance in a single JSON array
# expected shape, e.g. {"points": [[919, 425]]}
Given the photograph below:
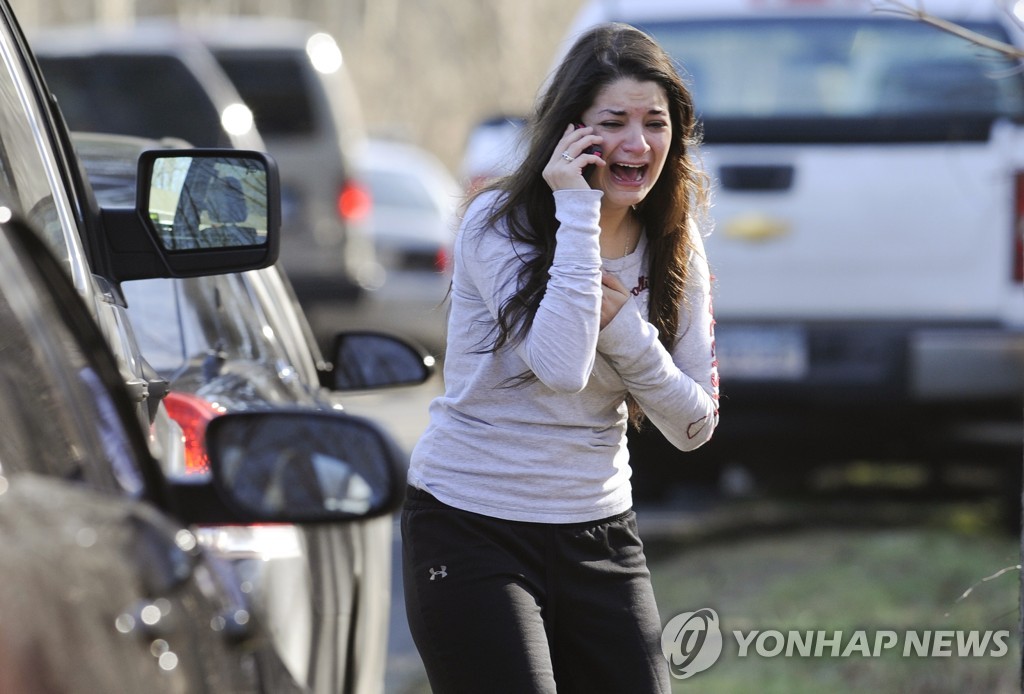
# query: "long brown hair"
{"points": [[600, 56]]}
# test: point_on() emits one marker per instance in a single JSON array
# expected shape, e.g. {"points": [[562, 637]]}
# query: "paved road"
{"points": [[405, 670]]}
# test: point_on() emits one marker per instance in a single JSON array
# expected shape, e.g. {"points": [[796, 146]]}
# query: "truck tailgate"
{"points": [[884, 231]]}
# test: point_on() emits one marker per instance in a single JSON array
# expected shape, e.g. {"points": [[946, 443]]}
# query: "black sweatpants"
{"points": [[504, 606]]}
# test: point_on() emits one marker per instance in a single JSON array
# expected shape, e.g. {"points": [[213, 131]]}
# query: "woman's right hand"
{"points": [[564, 170], [614, 296]]}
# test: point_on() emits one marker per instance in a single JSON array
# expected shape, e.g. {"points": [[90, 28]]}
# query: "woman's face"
{"points": [[633, 118]]}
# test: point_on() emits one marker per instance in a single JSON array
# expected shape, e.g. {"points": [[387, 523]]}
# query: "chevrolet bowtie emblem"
{"points": [[754, 227]]}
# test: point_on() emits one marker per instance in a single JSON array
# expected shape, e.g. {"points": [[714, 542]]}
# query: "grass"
{"points": [[959, 576]]}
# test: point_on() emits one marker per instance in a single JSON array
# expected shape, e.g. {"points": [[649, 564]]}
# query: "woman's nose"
{"points": [[635, 140]]}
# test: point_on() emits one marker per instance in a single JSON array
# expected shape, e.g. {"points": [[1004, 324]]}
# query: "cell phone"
{"points": [[592, 149]]}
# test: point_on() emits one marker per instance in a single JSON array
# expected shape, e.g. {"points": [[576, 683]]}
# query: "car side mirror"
{"points": [[197, 212], [208, 202], [302, 466], [293, 466], [371, 360]]}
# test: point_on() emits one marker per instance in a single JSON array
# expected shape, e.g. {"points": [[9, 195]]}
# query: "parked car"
{"points": [[42, 179], [867, 250], [240, 342], [134, 80], [416, 202], [235, 343], [105, 589], [138, 79], [104, 583], [293, 76], [74, 448], [492, 149], [98, 250]]}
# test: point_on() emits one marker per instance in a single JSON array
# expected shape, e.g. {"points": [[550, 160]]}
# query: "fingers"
{"points": [[612, 282], [565, 168], [613, 297], [576, 141]]}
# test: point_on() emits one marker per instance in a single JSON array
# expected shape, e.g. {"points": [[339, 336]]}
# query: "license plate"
{"points": [[769, 352]]}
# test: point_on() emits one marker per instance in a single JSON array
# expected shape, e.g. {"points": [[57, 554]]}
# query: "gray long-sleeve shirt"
{"points": [[554, 450]]}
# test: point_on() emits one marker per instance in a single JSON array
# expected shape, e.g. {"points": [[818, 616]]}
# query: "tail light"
{"points": [[441, 260], [192, 414], [354, 201], [1018, 229]]}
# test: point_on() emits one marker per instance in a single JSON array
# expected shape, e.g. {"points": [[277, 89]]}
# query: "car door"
{"points": [[36, 175], [133, 606]]}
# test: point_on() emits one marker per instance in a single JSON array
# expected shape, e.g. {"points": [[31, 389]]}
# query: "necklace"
{"points": [[630, 229], [625, 246], [629, 238]]}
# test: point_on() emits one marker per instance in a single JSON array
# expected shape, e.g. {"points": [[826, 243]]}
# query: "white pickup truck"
{"points": [[867, 246]]}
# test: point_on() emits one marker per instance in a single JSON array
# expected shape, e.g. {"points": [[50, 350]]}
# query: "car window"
{"points": [[112, 167], [29, 178], [160, 328], [273, 86], [184, 321], [288, 324], [57, 416], [140, 95], [840, 68]]}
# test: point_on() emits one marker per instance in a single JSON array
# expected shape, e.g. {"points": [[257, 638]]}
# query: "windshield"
{"points": [[273, 86], [144, 95], [877, 72]]}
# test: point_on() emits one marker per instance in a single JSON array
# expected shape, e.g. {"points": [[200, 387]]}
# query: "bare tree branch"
{"points": [[919, 13]]}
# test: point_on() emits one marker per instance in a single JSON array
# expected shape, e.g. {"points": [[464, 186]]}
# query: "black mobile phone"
{"points": [[592, 149]]}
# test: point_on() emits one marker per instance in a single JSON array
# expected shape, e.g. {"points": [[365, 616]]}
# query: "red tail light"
{"points": [[441, 260], [192, 414], [1018, 229], [354, 201]]}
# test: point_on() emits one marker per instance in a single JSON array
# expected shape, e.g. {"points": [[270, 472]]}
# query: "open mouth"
{"points": [[629, 173]]}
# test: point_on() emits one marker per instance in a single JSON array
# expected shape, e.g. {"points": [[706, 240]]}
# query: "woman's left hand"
{"points": [[613, 297]]}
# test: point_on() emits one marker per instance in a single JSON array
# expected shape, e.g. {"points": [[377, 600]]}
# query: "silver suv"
{"points": [[293, 77]]}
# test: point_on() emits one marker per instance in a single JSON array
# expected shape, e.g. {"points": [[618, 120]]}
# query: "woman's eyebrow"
{"points": [[656, 111]]}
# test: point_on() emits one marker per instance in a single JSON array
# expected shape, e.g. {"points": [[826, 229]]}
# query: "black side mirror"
{"points": [[197, 212], [371, 360], [302, 467]]}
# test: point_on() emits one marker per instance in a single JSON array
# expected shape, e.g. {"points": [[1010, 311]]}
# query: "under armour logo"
{"points": [[442, 573]]}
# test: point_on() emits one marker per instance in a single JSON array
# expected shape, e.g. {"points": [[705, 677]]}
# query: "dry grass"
{"points": [[909, 578]]}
